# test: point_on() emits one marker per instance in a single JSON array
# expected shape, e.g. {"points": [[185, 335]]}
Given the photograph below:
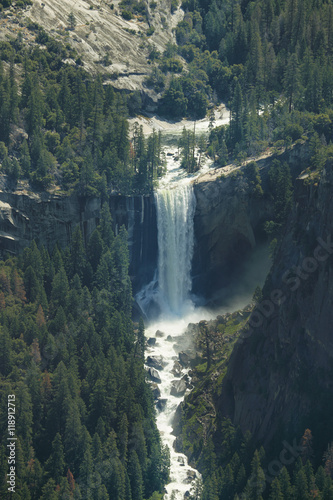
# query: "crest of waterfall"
{"points": [[175, 213]]}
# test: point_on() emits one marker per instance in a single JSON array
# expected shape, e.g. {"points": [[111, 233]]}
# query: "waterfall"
{"points": [[175, 212], [167, 307], [168, 292]]}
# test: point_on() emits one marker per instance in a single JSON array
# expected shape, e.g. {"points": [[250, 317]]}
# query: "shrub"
{"points": [[150, 31], [127, 15]]}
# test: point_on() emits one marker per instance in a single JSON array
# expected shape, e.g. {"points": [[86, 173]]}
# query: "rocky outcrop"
{"points": [[45, 218], [154, 375], [106, 42], [280, 373], [228, 223], [156, 362]]}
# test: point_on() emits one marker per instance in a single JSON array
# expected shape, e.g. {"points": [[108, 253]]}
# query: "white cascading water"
{"points": [[175, 211], [171, 289]]}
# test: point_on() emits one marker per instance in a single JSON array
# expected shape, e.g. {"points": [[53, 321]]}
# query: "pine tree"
{"points": [[5, 352], [236, 121], [291, 79], [256, 483], [135, 476], [276, 493], [105, 225], [34, 113], [55, 465], [71, 20], [77, 256], [95, 249], [301, 487]]}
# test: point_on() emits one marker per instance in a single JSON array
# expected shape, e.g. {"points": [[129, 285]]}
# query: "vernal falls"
{"points": [[170, 294]]}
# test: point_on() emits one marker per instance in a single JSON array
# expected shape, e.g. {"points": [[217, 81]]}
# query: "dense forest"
{"points": [[269, 61], [61, 126], [85, 419]]}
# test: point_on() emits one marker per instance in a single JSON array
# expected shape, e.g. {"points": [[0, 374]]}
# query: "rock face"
{"points": [[280, 370], [161, 404], [229, 221], [155, 390], [48, 218], [106, 42], [44, 218]]}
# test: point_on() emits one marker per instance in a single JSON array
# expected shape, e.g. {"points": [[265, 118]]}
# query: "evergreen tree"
{"points": [[55, 465], [135, 476]]}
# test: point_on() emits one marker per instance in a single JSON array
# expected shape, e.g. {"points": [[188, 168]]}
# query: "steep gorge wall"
{"points": [[228, 225], [280, 375], [229, 221]]}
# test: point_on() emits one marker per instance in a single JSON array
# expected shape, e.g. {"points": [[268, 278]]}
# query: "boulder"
{"points": [[191, 476], [159, 334], [161, 404], [178, 444], [178, 388], [169, 338], [187, 358], [177, 369], [181, 461], [156, 362], [187, 381], [154, 375], [151, 341], [156, 390]]}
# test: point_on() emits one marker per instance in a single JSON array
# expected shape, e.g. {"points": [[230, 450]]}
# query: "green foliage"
{"points": [[77, 127], [70, 355], [281, 192], [129, 8], [71, 20]]}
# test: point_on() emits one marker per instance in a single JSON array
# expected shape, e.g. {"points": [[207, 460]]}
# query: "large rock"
{"points": [[159, 334], [161, 404], [187, 358], [151, 341], [154, 375], [52, 218], [191, 476], [177, 369], [178, 388], [156, 390], [229, 221], [156, 362]]}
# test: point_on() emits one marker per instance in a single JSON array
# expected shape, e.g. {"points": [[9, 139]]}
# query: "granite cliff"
{"points": [[229, 220], [280, 372]]}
